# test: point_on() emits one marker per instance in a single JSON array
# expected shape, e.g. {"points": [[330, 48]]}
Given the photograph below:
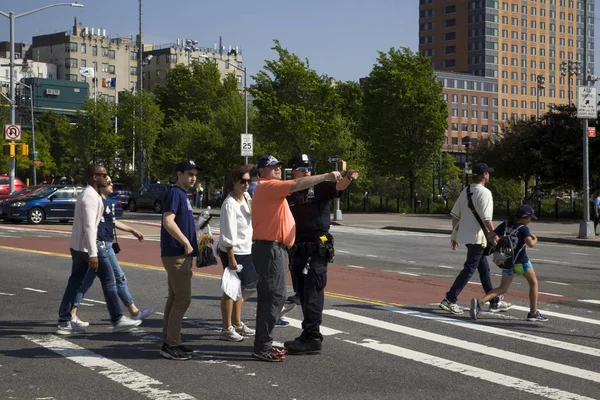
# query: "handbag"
{"points": [[115, 246], [489, 249]]}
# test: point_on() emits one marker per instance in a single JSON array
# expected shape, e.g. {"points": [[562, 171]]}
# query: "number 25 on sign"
{"points": [[247, 145]]}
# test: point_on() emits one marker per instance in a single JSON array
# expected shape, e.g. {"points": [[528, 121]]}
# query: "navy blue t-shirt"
{"points": [[106, 227], [178, 202], [311, 209], [518, 239]]}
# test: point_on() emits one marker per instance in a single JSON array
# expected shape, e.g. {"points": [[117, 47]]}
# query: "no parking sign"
{"points": [[12, 132]]}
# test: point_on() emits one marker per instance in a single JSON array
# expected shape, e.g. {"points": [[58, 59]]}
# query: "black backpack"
{"points": [[505, 251]]}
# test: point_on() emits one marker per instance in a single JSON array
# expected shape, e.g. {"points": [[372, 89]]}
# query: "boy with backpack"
{"points": [[511, 256]]}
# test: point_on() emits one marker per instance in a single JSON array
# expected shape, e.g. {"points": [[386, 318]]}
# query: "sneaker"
{"points": [[125, 323], [295, 299], [69, 328], [536, 317], [231, 335], [475, 308], [79, 322], [244, 330], [271, 355], [312, 346], [502, 306], [286, 309], [173, 353], [281, 323], [185, 350], [451, 307], [141, 314]]}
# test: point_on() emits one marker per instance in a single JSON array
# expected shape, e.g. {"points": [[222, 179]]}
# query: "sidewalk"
{"points": [[564, 231]]}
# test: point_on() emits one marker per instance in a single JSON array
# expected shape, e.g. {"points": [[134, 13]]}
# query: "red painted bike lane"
{"points": [[380, 286]]}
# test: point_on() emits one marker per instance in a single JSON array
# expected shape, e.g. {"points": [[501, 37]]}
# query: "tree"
{"points": [[54, 141], [405, 116]]}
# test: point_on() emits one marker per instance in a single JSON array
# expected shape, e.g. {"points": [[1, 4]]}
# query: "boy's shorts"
{"points": [[519, 269], [248, 276]]}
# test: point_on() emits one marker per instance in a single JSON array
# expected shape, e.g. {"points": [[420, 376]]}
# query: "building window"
{"points": [[111, 69], [455, 98], [447, 63], [454, 126], [83, 48], [132, 70], [484, 129], [449, 22], [465, 127], [95, 65], [449, 9], [473, 129], [71, 77], [71, 63], [104, 67], [449, 49], [484, 115], [448, 36], [172, 58], [105, 52], [94, 50], [71, 47], [455, 112], [465, 99], [111, 54], [133, 55], [83, 63], [455, 140]]}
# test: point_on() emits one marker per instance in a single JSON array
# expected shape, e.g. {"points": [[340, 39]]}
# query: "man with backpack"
{"points": [[472, 226]]}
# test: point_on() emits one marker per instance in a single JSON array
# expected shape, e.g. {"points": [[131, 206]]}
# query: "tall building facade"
{"points": [[533, 49]]}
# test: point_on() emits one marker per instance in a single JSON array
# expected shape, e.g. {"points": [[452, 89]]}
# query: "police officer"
{"points": [[312, 250]]}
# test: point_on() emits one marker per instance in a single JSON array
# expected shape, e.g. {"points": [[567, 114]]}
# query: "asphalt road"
{"points": [[372, 350]]}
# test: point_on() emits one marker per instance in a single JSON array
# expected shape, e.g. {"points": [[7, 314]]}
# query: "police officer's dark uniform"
{"points": [[309, 257]]}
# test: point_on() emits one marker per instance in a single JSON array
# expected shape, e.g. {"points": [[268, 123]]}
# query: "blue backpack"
{"points": [[505, 251]]}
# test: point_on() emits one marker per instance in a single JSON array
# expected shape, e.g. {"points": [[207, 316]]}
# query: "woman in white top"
{"points": [[235, 246]]}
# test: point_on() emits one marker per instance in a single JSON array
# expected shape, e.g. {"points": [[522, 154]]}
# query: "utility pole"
{"points": [[140, 93]]}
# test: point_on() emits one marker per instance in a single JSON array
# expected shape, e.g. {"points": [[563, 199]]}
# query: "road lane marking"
{"points": [[6, 294], [371, 255], [445, 266], [296, 323], [119, 373], [497, 331], [354, 266], [86, 304], [470, 346], [468, 370], [342, 251], [35, 290], [401, 273], [95, 301], [551, 294], [557, 283], [579, 254], [590, 301], [542, 260]]}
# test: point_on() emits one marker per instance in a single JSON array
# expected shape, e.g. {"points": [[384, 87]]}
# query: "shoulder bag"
{"points": [[115, 246], [489, 249]]}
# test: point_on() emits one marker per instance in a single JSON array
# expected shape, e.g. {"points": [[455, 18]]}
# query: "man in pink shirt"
{"points": [[274, 231]]}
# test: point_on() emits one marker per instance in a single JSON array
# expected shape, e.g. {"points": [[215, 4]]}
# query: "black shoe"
{"points": [[173, 353], [185, 350], [312, 346], [295, 299]]}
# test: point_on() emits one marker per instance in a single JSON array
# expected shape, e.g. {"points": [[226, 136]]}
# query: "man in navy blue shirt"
{"points": [[178, 247]]}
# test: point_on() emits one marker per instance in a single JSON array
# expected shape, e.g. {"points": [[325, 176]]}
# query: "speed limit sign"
{"points": [[12, 132], [247, 145]]}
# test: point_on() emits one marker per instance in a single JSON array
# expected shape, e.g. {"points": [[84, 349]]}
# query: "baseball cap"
{"points": [[187, 165], [268, 161], [525, 210], [481, 168], [300, 160]]}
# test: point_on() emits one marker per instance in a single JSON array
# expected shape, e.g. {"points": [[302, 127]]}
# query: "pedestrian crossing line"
{"points": [[557, 283], [583, 301], [551, 294], [468, 370], [561, 315], [35, 290], [119, 373], [94, 301], [6, 294], [296, 323], [591, 351], [470, 346]]}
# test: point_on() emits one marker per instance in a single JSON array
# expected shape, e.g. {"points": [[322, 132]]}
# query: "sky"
{"points": [[340, 38]]}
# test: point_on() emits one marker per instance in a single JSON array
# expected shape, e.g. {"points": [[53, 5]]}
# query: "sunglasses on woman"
{"points": [[244, 181], [304, 169]]}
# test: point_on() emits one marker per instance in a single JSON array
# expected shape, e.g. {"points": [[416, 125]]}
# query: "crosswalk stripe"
{"points": [[498, 331], [468, 370], [296, 323], [131, 379], [470, 346], [561, 315]]}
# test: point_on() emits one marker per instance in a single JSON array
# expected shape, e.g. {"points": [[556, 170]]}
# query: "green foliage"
{"points": [[405, 116]]}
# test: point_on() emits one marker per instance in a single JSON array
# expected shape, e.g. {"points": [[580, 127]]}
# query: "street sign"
{"points": [[12, 132], [247, 145], [37, 163], [592, 131], [587, 102], [333, 159]]}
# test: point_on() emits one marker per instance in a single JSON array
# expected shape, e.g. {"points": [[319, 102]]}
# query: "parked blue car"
{"points": [[51, 204]]}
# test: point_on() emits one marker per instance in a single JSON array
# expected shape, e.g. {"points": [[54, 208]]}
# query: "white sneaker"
{"points": [[244, 330], [231, 335], [79, 322], [125, 323], [69, 328], [502, 306], [141, 314]]}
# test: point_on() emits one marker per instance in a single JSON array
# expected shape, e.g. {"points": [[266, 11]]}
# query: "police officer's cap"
{"points": [[300, 160]]}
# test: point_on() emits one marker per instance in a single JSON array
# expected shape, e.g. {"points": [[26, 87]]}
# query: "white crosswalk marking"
{"points": [[561, 315]]}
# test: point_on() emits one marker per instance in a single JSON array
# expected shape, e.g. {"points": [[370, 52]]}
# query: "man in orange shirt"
{"points": [[274, 231]]}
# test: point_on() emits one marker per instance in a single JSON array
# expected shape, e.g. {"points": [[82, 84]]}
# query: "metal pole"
{"points": [[12, 165], [245, 108], [33, 133], [141, 88]]}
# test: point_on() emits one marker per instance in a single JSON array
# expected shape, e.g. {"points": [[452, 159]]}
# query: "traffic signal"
{"points": [[25, 150], [9, 150], [563, 68]]}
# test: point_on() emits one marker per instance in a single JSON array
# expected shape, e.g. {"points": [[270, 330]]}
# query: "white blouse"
{"points": [[235, 224]]}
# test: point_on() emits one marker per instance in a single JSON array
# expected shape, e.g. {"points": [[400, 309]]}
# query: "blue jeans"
{"points": [[120, 280], [475, 261], [79, 269]]}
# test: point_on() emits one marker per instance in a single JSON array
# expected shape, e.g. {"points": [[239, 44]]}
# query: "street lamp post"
{"points": [[11, 64], [540, 86], [32, 129], [190, 47], [466, 141]]}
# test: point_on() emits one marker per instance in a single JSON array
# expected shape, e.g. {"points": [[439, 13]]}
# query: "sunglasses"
{"points": [[244, 181], [304, 169], [109, 183]]}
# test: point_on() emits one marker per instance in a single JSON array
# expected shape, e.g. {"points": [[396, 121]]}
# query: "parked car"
{"points": [[26, 191], [50, 203], [122, 192], [5, 185], [150, 197]]}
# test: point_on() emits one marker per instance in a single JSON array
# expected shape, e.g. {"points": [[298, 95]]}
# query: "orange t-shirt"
{"points": [[271, 216]]}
